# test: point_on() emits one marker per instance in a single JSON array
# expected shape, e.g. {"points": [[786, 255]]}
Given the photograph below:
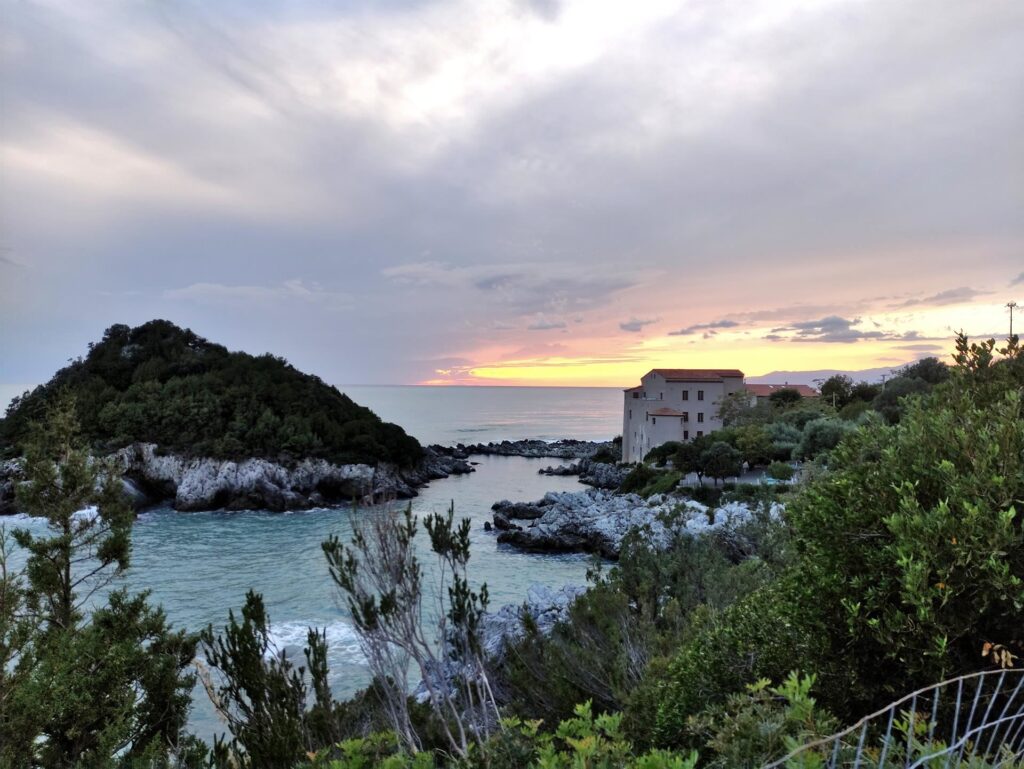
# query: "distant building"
{"points": [[673, 404], [762, 393]]}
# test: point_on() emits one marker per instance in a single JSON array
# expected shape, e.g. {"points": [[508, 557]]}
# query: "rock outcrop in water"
{"points": [[202, 483], [601, 475], [561, 449], [545, 606], [595, 521]]}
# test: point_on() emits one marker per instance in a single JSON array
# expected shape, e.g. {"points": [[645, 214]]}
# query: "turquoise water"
{"points": [[200, 565]]}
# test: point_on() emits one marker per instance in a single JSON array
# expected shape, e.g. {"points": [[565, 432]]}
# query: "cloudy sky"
{"points": [[544, 191]]}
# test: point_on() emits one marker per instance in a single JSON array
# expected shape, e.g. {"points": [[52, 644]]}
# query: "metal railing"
{"points": [[974, 721]]}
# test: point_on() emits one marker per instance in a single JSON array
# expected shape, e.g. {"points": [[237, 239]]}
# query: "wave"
{"points": [[342, 640], [86, 513]]}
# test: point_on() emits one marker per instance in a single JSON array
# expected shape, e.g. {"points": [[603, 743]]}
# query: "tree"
{"points": [[381, 580], [931, 370], [721, 461], [821, 435], [738, 408], [889, 402], [836, 390], [780, 471], [863, 392], [687, 458], [263, 697], [785, 398], [754, 444], [89, 684]]}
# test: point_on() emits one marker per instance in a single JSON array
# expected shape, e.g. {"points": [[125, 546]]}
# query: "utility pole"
{"points": [[1011, 306]]}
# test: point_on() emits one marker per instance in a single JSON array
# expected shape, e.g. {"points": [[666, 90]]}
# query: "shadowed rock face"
{"points": [[545, 606], [202, 483], [601, 475], [595, 521]]}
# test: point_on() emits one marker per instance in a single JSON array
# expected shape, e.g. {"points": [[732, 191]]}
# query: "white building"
{"points": [[673, 404]]}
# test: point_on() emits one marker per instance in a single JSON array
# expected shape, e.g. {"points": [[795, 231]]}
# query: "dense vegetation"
{"points": [[899, 565], [87, 672], [161, 384]]}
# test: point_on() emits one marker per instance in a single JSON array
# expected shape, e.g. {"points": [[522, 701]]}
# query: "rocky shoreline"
{"points": [[597, 521], [202, 483], [565, 448], [601, 475]]}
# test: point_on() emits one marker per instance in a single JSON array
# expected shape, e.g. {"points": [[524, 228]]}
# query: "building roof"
{"points": [[665, 412], [765, 390], [633, 389], [697, 374]]}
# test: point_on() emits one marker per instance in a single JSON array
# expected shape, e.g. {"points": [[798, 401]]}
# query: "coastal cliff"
{"points": [[204, 483]]}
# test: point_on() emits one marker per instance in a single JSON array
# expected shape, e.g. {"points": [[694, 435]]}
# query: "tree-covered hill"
{"points": [[162, 384]]}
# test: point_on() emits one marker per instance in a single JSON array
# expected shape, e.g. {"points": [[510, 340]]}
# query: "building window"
{"points": [[686, 395], [700, 395], [636, 395], [686, 416], [686, 435], [654, 420], [700, 433], [631, 413], [700, 416]]}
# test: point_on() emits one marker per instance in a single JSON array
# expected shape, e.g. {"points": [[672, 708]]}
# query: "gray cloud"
{"points": [[290, 290], [636, 324], [1019, 280], [715, 324], [543, 323], [455, 183], [836, 329], [959, 295]]}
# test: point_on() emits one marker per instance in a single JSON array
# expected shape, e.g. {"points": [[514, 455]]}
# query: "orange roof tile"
{"points": [[697, 374], [665, 412]]}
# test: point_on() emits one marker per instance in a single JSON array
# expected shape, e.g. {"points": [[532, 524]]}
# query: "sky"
{"points": [[523, 192]]}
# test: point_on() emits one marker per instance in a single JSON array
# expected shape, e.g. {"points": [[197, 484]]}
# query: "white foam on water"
{"points": [[342, 641], [85, 514]]}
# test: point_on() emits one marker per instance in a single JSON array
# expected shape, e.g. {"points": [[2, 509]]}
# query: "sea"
{"points": [[199, 566]]}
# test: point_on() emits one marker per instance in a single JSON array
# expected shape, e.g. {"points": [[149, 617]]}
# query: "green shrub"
{"points": [[911, 551], [660, 454], [821, 435], [780, 471], [758, 637], [579, 742], [854, 410], [663, 484], [762, 724], [639, 477], [605, 455]]}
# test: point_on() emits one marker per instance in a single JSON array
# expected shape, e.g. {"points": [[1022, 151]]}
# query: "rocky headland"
{"points": [[597, 521], [203, 483]]}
